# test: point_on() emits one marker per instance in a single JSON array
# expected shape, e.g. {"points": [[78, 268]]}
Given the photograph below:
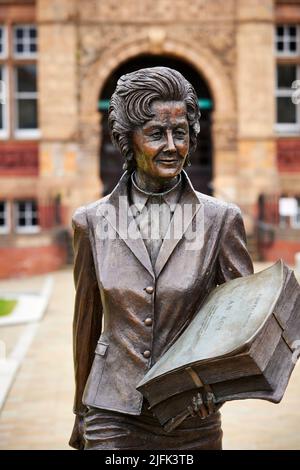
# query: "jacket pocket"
{"points": [[94, 379]]}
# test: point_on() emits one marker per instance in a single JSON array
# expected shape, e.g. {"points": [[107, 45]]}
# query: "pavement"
{"points": [[37, 413], [38, 410]]}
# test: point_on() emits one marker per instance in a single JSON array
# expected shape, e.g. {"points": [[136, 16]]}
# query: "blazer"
{"points": [[128, 312]]}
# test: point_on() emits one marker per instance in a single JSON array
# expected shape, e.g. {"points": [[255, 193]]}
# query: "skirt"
{"points": [[109, 430]]}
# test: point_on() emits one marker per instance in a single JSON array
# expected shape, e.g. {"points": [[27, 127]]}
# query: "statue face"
{"points": [[162, 144]]}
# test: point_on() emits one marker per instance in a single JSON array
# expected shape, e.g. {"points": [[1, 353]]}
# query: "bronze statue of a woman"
{"points": [[138, 279]]}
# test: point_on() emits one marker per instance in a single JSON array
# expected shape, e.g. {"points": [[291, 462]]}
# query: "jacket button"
{"points": [[148, 321], [146, 354], [149, 290]]}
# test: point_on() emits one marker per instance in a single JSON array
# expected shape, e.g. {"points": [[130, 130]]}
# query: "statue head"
{"points": [[136, 101]]}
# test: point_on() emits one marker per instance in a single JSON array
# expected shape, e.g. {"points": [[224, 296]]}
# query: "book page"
{"points": [[233, 313]]}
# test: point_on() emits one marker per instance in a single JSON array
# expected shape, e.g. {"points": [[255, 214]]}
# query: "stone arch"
{"points": [[204, 62], [201, 59]]}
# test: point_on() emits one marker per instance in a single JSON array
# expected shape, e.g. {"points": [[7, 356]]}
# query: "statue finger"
{"points": [[191, 410], [203, 413], [210, 402]]}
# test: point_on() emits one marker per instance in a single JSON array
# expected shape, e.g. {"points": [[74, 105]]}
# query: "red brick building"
{"points": [[59, 62]]}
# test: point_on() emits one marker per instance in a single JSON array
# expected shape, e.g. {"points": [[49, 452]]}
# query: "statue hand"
{"points": [[203, 406], [77, 438]]}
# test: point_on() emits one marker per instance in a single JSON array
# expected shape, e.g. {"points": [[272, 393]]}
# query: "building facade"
{"points": [[59, 63]]}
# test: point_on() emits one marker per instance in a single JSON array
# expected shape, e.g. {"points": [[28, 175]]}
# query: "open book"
{"points": [[239, 345]]}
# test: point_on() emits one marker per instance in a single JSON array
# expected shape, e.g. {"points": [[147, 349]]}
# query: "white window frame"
{"points": [[3, 54], [285, 39], [295, 221], [4, 132], [288, 128], [4, 229], [28, 214], [28, 54], [20, 133]]}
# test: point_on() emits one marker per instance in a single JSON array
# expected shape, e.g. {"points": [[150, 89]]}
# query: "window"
{"points": [[289, 212], [26, 216], [287, 113], [295, 220], [288, 40], [3, 103], [25, 41], [26, 99], [18, 82], [4, 225], [3, 42]]}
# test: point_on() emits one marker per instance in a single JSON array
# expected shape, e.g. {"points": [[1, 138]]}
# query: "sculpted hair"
{"points": [[130, 105]]}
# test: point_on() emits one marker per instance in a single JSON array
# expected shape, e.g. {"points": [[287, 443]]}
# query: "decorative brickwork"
{"points": [[288, 155], [19, 160]]}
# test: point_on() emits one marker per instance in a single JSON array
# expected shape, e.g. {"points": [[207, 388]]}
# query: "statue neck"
{"points": [[153, 185]]}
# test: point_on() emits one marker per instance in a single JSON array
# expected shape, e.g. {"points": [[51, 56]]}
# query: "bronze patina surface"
{"points": [[135, 298]]}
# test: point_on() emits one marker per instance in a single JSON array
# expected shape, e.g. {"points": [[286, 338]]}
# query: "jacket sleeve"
{"points": [[88, 308], [234, 259]]}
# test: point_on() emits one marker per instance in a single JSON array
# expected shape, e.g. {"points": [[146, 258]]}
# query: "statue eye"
{"points": [[156, 135], [180, 133]]}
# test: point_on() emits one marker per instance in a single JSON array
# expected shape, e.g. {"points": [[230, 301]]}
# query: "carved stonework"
{"points": [[167, 11], [218, 41], [225, 133], [99, 45], [98, 56]]}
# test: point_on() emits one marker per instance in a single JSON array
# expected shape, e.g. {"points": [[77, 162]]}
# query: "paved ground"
{"points": [[38, 410]]}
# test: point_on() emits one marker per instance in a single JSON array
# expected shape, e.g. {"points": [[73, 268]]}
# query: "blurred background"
{"points": [[59, 64]]}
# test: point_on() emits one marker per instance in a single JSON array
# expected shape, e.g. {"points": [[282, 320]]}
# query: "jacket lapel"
{"points": [[120, 217], [186, 209]]}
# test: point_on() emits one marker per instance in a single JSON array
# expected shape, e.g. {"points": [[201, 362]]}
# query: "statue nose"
{"points": [[170, 146]]}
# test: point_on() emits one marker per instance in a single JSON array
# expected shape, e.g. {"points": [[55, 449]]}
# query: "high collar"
{"points": [[140, 198], [188, 193]]}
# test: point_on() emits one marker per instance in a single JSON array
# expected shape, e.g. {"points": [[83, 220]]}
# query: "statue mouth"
{"points": [[168, 160]]}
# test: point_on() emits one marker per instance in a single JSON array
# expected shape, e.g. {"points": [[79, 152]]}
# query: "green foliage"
{"points": [[6, 306]]}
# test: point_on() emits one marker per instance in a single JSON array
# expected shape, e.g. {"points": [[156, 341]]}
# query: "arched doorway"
{"points": [[111, 161]]}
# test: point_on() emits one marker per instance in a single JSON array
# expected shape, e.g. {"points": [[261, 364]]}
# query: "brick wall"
{"points": [[288, 155], [285, 249], [19, 159], [17, 262]]}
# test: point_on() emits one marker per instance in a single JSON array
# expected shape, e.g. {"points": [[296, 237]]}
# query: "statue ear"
{"points": [[129, 163], [187, 161]]}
